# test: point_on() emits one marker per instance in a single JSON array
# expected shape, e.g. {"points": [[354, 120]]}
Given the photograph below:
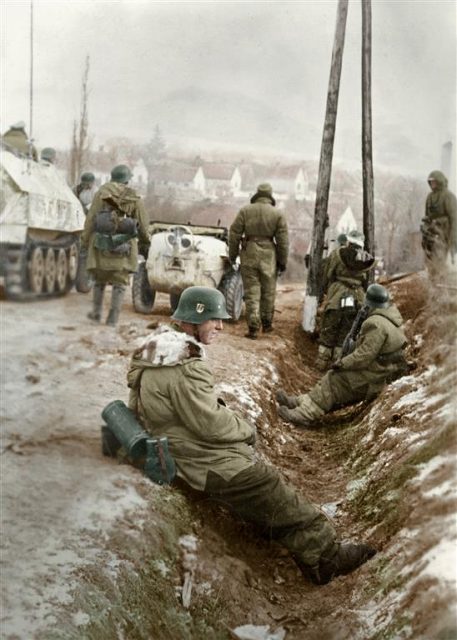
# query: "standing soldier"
{"points": [[115, 219], [377, 359], [344, 281], [439, 226], [16, 138], [85, 190], [262, 231]]}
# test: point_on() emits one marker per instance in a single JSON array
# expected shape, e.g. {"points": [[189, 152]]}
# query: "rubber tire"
{"points": [[174, 301], [143, 295], [232, 288], [83, 282]]}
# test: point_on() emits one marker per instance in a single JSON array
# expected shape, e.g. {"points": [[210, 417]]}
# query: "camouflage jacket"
{"points": [[131, 205], [345, 272], [381, 337], [172, 393], [441, 213], [261, 220]]}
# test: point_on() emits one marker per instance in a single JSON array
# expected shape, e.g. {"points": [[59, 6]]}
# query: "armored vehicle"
{"points": [[182, 256], [40, 224]]}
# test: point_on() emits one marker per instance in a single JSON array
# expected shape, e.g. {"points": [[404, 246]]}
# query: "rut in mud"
{"points": [[103, 553]]}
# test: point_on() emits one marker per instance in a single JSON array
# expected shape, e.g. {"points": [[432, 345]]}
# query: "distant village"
{"points": [[185, 188]]}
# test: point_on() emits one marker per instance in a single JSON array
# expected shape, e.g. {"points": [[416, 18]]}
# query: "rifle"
{"points": [[350, 339]]}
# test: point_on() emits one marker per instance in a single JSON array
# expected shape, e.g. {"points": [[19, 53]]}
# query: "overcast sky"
{"points": [[275, 52]]}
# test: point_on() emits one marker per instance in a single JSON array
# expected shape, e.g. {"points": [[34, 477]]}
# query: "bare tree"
{"points": [[79, 154]]}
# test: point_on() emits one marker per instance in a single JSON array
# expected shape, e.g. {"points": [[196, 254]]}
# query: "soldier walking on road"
{"points": [[85, 191], [344, 280], [262, 231], [172, 394], [439, 226], [115, 219], [377, 359]]}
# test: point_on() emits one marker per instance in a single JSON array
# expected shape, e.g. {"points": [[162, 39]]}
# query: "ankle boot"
{"points": [[117, 296], [267, 327], [291, 402], [253, 332], [97, 302], [341, 560]]}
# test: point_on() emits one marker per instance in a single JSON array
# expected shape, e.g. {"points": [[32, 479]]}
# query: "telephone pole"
{"points": [[325, 169], [367, 149]]}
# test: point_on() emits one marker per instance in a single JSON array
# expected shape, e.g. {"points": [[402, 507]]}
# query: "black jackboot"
{"points": [[97, 302], [117, 296]]}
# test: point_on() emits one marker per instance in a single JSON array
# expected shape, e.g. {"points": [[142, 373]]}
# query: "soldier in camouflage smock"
{"points": [[262, 231], [439, 226], [377, 359], [344, 280], [115, 220]]}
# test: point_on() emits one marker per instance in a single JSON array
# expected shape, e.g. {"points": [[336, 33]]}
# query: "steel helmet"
{"points": [[357, 238], [121, 173], [48, 154], [377, 297], [87, 177], [342, 239], [199, 304]]}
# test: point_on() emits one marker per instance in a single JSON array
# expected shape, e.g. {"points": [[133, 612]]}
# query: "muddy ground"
{"points": [[91, 549]]}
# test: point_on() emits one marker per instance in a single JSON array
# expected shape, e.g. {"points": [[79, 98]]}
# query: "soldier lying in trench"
{"points": [[172, 394], [378, 358]]}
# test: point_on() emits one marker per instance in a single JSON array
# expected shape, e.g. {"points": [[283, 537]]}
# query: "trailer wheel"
{"points": [[232, 288], [143, 295]]}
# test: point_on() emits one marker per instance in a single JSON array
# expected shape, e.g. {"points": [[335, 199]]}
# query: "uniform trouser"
{"points": [[260, 496], [336, 324], [259, 294]]}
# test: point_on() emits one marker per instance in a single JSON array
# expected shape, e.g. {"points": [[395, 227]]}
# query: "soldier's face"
{"points": [[208, 331], [433, 184]]}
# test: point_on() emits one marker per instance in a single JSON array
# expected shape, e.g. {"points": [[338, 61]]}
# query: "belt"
{"points": [[259, 239]]}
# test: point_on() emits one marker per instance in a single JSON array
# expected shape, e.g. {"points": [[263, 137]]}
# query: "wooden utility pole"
{"points": [[325, 170], [367, 150]]}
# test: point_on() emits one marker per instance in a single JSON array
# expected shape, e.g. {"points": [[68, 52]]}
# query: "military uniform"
{"points": [[439, 226], [113, 264], [344, 280], [376, 360], [16, 138], [262, 232], [172, 391]]}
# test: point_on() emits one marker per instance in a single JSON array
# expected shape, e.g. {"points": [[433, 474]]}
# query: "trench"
{"points": [[134, 589]]}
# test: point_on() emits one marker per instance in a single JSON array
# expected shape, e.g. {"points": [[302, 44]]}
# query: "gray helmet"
{"points": [[48, 154], [121, 173], [377, 297], [357, 238], [199, 304], [87, 177], [342, 239]]}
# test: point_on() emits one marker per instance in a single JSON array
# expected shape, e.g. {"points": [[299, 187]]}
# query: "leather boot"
{"points": [[341, 560], [267, 327], [304, 414], [252, 333], [97, 302], [291, 402], [117, 296]]}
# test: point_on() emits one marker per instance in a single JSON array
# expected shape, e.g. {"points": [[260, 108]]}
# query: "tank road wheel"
{"points": [[61, 271], [36, 270], [143, 295], [174, 301], [232, 288], [73, 263], [50, 270]]}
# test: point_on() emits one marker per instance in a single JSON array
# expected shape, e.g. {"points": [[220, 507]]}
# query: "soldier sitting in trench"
{"points": [[172, 394], [378, 358]]}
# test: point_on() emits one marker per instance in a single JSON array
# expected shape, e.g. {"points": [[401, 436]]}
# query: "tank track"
{"points": [[17, 269]]}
